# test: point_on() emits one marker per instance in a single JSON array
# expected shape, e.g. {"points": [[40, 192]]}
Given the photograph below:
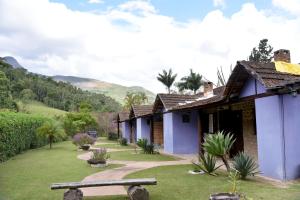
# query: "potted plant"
{"points": [[99, 158], [83, 140]]}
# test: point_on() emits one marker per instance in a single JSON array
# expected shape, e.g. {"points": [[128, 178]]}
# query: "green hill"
{"points": [[35, 107], [115, 91]]}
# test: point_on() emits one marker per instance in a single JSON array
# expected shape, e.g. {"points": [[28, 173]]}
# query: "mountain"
{"points": [[12, 61], [117, 92]]}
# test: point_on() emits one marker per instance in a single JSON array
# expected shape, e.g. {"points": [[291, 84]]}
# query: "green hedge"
{"points": [[18, 133]]}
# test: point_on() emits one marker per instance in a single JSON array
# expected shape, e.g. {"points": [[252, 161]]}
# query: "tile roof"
{"points": [[142, 110], [123, 116]]}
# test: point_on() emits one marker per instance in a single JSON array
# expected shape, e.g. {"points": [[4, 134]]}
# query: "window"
{"points": [[185, 118]]}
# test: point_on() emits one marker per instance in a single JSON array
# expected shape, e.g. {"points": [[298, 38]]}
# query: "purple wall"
{"points": [[180, 137], [292, 135], [143, 129], [126, 130], [252, 87]]}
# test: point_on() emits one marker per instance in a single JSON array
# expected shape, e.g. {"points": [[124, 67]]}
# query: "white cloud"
{"points": [[131, 43], [219, 3], [292, 6], [95, 1]]}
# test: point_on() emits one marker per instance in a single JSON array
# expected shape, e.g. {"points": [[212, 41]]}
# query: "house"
{"points": [[123, 119], [141, 122], [260, 106]]}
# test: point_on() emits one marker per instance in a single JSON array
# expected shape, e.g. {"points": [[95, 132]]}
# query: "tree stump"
{"points": [[224, 196], [73, 194], [137, 193]]}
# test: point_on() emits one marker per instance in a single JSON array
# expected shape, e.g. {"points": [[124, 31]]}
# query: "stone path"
{"points": [[119, 173]]}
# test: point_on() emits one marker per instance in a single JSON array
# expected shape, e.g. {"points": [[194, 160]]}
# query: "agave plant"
{"points": [[207, 163], [219, 145], [245, 165]]}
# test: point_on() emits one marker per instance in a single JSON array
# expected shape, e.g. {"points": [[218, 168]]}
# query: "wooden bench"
{"points": [[135, 191]]}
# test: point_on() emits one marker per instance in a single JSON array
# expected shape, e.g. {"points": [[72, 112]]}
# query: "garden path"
{"points": [[119, 173]]}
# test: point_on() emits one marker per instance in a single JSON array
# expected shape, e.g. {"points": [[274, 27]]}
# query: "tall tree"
{"points": [[133, 98], [262, 53], [167, 78], [191, 82]]}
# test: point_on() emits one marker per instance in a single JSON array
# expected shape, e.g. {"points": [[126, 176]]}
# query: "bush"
{"points": [[219, 145], [99, 156], [147, 148], [207, 163], [81, 139], [18, 133], [112, 136], [123, 141], [245, 165]]}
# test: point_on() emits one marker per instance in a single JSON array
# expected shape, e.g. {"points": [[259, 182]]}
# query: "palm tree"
{"points": [[167, 78], [132, 98], [51, 130], [192, 82]]}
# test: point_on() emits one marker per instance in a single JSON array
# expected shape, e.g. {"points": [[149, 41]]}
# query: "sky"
{"points": [[129, 42]]}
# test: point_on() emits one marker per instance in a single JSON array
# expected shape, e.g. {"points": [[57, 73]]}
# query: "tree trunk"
{"points": [[50, 141], [225, 161]]}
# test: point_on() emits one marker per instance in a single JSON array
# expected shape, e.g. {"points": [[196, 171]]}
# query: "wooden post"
{"points": [[118, 129]]}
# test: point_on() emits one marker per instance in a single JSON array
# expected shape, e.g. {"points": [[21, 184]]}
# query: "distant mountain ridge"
{"points": [[117, 92], [12, 61]]}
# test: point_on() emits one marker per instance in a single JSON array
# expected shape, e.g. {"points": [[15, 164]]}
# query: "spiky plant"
{"points": [[219, 145], [245, 165], [207, 163]]}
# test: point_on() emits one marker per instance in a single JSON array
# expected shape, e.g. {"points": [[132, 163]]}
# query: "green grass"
{"points": [[132, 156], [39, 108], [174, 183], [114, 146], [29, 175]]}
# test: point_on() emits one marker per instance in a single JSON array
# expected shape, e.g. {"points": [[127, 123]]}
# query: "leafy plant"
{"points": [[123, 141], [112, 136], [99, 156], [219, 145], [234, 177], [81, 139], [245, 165], [51, 130], [207, 163], [147, 148]]}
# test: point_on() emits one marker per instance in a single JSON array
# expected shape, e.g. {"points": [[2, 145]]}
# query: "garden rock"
{"points": [[224, 196], [138, 193], [73, 194]]}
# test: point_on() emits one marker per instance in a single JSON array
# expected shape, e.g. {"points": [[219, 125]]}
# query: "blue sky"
{"points": [[181, 10]]}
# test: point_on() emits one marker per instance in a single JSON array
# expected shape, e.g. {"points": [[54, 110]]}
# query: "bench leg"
{"points": [[137, 193], [73, 194]]}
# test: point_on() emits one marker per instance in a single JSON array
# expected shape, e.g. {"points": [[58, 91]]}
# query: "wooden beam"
{"points": [[126, 182]]}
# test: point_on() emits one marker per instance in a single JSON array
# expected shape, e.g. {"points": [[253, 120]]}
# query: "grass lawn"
{"points": [[174, 183], [29, 175], [132, 156], [114, 146]]}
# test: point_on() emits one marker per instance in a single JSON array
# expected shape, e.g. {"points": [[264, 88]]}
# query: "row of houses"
{"points": [[259, 105]]}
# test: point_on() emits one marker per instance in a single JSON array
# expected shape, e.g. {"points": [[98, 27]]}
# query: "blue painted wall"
{"points": [[252, 87], [292, 135], [270, 136], [126, 130], [143, 130], [180, 137]]}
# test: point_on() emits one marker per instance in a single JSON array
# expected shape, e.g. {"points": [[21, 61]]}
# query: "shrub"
{"points": [[207, 163], [245, 165], [147, 148], [18, 133], [219, 145], [81, 139], [99, 156], [112, 136], [123, 141]]}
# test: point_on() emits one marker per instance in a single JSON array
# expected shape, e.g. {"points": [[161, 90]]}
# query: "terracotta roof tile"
{"points": [[142, 110], [123, 116]]}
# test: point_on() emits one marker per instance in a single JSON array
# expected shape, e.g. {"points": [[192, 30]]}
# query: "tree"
{"points": [[262, 53], [85, 107], [192, 82], [78, 122], [27, 95], [51, 130], [167, 78], [133, 98], [6, 100]]}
